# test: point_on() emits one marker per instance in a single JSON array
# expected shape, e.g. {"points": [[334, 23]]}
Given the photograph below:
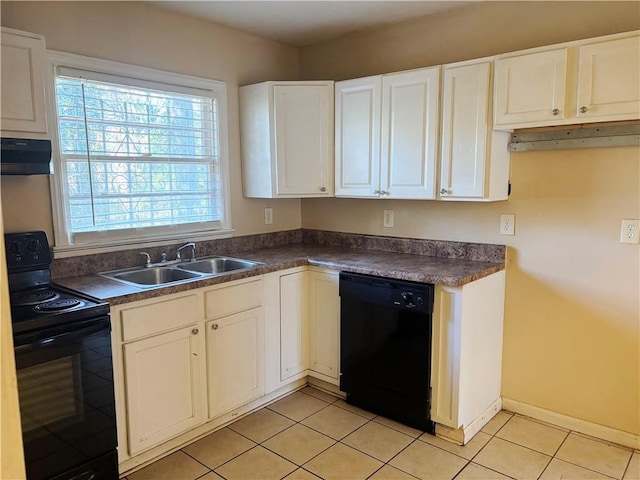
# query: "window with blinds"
{"points": [[135, 159]]}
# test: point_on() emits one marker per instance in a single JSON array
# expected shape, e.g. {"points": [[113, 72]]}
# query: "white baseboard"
{"points": [[571, 423], [461, 436]]}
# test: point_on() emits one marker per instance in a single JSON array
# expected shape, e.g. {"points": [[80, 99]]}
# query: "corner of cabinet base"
{"points": [[462, 435]]}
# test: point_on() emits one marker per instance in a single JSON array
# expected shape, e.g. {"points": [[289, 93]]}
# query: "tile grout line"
{"points": [[368, 420], [193, 458], [628, 464], [582, 466]]}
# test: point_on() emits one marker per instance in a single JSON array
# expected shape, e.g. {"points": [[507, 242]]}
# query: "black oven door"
{"points": [[65, 387]]}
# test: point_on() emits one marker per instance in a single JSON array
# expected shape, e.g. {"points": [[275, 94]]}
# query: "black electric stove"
{"points": [[37, 302], [62, 345]]}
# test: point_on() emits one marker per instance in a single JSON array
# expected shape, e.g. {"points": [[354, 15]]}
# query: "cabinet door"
{"points": [[164, 387], [410, 119], [609, 79], [357, 137], [530, 89], [465, 110], [235, 360], [293, 324], [324, 325], [304, 139], [23, 104]]}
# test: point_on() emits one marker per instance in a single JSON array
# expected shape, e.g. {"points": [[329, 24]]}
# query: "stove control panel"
{"points": [[27, 251]]}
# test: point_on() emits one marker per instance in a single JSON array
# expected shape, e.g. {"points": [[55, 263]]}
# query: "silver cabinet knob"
{"points": [[377, 192], [583, 109], [444, 191], [323, 189], [214, 326], [555, 112], [195, 331]]}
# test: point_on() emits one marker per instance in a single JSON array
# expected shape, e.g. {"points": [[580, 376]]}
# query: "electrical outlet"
{"points": [[630, 231], [268, 216], [507, 224], [387, 219]]}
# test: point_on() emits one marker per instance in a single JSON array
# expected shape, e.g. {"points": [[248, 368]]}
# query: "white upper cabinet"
{"points": [[23, 101], [531, 88], [387, 135], [357, 136], [287, 139], [410, 120], [474, 159], [609, 80], [593, 80]]}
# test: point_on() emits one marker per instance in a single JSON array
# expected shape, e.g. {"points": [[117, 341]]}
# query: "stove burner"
{"points": [[32, 297], [58, 305]]}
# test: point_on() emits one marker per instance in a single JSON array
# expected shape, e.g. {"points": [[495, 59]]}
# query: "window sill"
{"points": [[66, 251]]}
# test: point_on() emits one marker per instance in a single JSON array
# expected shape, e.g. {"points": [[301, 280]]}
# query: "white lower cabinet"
{"points": [[235, 360], [159, 359], [164, 386], [293, 325], [467, 356], [324, 325], [302, 311], [167, 373], [285, 295]]}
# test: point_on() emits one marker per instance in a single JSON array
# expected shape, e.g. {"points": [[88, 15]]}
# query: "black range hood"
{"points": [[21, 156]]}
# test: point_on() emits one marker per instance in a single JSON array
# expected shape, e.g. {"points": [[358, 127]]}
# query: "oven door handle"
{"points": [[36, 342]]}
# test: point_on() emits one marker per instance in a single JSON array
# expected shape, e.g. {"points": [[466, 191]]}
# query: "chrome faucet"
{"points": [[147, 259], [191, 246]]}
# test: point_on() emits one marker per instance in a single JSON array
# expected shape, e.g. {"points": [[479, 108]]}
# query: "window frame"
{"points": [[108, 241]]}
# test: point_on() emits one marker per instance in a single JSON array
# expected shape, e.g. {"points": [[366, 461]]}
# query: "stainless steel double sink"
{"points": [[180, 272]]}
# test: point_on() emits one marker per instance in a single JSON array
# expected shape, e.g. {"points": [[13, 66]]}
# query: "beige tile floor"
{"points": [[310, 434]]}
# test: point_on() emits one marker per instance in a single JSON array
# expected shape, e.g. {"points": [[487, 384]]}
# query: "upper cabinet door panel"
{"points": [[23, 102], [465, 117], [530, 88], [410, 119], [303, 119], [287, 139], [357, 139], [609, 79]]}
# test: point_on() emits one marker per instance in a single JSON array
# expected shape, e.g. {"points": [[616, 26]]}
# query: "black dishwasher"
{"points": [[385, 347]]}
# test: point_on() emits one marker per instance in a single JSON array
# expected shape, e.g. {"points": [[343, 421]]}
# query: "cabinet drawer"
{"points": [[233, 299], [159, 317]]}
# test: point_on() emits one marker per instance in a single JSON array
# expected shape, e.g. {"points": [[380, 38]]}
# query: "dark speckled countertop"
{"points": [[419, 268]]}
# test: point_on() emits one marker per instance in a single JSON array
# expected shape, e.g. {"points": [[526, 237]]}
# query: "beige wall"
{"points": [[572, 333], [132, 32], [464, 33]]}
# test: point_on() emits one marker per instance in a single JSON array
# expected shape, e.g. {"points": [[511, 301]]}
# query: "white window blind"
{"points": [[134, 158]]}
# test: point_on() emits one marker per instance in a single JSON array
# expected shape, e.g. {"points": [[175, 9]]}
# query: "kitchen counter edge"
{"points": [[450, 272]]}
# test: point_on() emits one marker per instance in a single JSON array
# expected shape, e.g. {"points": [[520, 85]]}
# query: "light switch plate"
{"points": [[507, 224], [630, 231]]}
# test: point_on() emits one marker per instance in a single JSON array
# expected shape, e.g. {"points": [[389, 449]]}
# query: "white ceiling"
{"points": [[304, 22]]}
